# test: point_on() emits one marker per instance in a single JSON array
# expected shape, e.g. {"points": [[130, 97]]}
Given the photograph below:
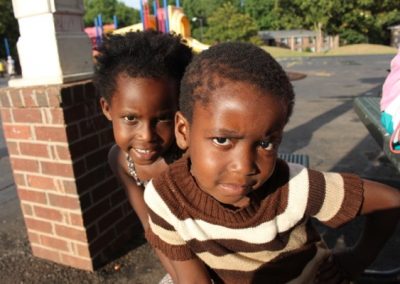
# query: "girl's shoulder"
{"points": [[117, 160]]}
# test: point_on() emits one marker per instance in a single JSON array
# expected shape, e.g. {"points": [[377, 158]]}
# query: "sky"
{"points": [[131, 3]]}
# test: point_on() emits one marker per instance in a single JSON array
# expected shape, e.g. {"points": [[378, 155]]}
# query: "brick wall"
{"points": [[58, 139]]}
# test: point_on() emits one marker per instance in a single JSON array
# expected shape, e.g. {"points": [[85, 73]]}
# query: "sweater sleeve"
{"points": [[162, 233], [334, 198]]}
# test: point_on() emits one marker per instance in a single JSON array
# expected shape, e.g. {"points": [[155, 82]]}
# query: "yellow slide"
{"points": [[178, 23], [196, 45]]}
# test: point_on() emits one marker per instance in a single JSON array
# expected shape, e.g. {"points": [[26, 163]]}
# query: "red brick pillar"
{"points": [[58, 139]]}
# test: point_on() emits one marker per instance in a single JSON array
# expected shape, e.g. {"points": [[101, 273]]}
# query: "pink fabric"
{"points": [[391, 87]]}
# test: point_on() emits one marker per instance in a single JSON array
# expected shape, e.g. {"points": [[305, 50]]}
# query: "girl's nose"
{"points": [[145, 131]]}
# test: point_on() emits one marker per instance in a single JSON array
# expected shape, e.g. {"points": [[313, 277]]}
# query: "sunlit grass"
{"points": [[354, 49], [358, 49], [285, 52]]}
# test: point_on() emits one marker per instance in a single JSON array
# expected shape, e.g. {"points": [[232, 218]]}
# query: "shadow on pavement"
{"points": [[306, 130]]}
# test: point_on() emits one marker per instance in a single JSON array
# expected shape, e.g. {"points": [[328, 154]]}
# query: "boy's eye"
{"points": [[130, 118], [266, 145], [221, 141]]}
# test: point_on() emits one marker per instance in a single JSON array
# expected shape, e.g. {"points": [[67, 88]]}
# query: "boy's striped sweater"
{"points": [[269, 241]]}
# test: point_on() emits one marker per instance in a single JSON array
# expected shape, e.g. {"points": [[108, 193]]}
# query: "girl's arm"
{"points": [[189, 271], [117, 162]]}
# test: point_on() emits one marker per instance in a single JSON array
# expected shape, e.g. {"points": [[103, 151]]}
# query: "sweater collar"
{"points": [[203, 203]]}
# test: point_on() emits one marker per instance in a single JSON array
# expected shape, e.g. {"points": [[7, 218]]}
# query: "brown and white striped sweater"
{"points": [[270, 241]]}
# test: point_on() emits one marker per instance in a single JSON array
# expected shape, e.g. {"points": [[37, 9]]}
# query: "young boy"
{"points": [[230, 210]]}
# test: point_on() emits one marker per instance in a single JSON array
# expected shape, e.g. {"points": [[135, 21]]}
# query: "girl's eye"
{"points": [[221, 141], [165, 119], [266, 145], [130, 118]]}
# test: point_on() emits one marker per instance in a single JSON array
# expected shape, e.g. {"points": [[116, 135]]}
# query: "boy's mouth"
{"points": [[235, 189]]}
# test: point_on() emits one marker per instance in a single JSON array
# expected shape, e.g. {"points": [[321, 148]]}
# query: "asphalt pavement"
{"points": [[323, 125]]}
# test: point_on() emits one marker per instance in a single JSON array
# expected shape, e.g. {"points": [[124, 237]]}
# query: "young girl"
{"points": [[230, 210], [138, 76]]}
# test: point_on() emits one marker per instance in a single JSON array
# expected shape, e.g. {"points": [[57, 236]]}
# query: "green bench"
{"points": [[368, 110]]}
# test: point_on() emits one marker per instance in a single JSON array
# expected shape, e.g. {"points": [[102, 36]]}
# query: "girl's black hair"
{"points": [[148, 54]]}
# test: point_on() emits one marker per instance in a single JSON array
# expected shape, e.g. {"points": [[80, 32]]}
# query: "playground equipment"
{"points": [[167, 19]]}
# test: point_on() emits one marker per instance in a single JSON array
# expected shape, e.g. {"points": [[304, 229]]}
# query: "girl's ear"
{"points": [[181, 131], [106, 107]]}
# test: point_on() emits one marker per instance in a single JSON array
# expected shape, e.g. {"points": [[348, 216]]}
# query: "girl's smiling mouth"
{"points": [[144, 154]]}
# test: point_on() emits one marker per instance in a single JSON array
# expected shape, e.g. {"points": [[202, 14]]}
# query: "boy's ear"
{"points": [[105, 106], [181, 131]]}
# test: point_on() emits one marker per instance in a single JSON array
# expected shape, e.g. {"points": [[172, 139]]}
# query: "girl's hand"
{"points": [[341, 267], [330, 273]]}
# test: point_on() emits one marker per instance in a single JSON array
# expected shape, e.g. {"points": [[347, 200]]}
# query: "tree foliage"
{"points": [[8, 28], [108, 8], [365, 20], [355, 21], [265, 12], [228, 24], [201, 8], [316, 14]]}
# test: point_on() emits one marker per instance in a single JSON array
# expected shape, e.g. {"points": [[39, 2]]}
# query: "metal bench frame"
{"points": [[301, 159], [368, 110]]}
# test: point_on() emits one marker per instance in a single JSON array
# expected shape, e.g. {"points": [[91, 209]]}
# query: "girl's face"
{"points": [[233, 140], [142, 112]]}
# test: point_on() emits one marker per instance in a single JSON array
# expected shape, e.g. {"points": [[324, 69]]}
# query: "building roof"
{"points": [[395, 27], [286, 34]]}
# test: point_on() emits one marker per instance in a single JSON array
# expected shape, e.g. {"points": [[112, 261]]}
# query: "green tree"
{"points": [[228, 24], [352, 22], [379, 32], [355, 21], [8, 28], [317, 14], [126, 16], [364, 21], [201, 8], [267, 14], [108, 8], [276, 14]]}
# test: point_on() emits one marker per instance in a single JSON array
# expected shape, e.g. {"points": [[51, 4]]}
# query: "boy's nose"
{"points": [[244, 162]]}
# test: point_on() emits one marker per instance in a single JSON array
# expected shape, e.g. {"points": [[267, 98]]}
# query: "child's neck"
{"points": [[147, 172]]}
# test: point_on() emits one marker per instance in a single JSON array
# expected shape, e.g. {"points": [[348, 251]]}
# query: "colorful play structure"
{"points": [[167, 18]]}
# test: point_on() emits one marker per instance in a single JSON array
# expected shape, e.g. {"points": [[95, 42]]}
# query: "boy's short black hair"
{"points": [[243, 62], [148, 54]]}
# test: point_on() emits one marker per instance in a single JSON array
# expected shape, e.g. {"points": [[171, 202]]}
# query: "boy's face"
{"points": [[233, 140], [142, 112]]}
